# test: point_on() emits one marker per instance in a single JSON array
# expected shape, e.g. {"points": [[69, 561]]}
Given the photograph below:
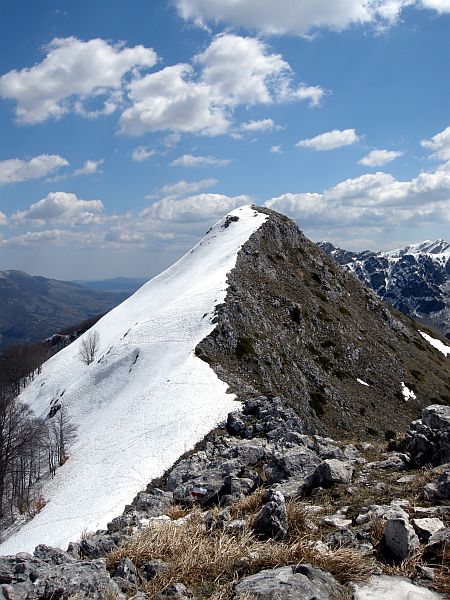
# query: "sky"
{"points": [[127, 128]]}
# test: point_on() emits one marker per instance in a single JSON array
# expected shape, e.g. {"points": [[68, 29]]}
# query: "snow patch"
{"points": [[135, 418], [362, 382], [407, 393], [436, 343]]}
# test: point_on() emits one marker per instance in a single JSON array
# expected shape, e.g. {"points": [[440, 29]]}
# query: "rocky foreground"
{"points": [[261, 510]]}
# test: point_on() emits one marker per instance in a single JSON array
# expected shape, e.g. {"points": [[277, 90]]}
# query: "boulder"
{"points": [[438, 545], [425, 528], [51, 555], [384, 587], [439, 489], [151, 568], [272, 519], [154, 504], [99, 545], [332, 471], [428, 440], [126, 570], [289, 583], [399, 538]]}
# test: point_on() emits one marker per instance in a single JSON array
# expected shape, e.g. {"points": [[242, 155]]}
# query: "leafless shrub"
{"points": [[89, 347]]}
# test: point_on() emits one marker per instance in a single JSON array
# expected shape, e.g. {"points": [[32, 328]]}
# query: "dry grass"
{"points": [[247, 505], [176, 511], [210, 562]]}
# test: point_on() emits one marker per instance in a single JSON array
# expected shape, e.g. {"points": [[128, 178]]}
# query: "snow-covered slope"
{"points": [[145, 400], [415, 279]]}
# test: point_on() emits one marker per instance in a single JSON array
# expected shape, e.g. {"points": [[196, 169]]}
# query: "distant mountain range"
{"points": [[33, 308], [414, 279], [120, 285]]}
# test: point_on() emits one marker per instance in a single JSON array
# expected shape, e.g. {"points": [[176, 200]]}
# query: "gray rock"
{"points": [[425, 528], [289, 583], [439, 489], [333, 471], [176, 591], [399, 538], [99, 545], [55, 556], [151, 568], [438, 544], [396, 588], [154, 504], [272, 520], [428, 440], [127, 571]]}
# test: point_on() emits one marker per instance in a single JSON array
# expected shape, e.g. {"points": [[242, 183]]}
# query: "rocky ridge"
{"points": [[336, 513], [297, 325], [414, 279]]}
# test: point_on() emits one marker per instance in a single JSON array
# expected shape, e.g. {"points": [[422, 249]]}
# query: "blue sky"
{"points": [[127, 128]]}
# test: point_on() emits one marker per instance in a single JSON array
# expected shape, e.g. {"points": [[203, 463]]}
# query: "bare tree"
{"points": [[89, 347]]}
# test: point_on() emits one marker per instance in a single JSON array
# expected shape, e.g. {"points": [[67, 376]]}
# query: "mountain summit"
{"points": [[254, 307]]}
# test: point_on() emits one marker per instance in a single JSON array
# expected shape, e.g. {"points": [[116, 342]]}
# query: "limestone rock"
{"points": [[425, 528], [289, 583], [399, 538], [272, 520]]}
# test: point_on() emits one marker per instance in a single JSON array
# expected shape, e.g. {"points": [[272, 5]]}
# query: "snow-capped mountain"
{"points": [[415, 279], [145, 399], [254, 308]]}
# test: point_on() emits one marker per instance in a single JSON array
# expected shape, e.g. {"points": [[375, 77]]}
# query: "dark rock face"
{"points": [[295, 324], [302, 582], [415, 280], [428, 440], [439, 489]]}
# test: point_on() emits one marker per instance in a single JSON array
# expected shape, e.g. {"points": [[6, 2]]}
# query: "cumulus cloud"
{"points": [[439, 144], [14, 169], [261, 125], [276, 149], [200, 208], [142, 153], [189, 160], [298, 18], [3, 218], [59, 208], [378, 158], [330, 140], [200, 98], [73, 73], [375, 201]]}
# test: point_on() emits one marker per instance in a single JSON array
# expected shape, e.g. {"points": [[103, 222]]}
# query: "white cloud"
{"points": [[3, 218], [330, 140], [300, 16], [14, 169], [73, 73], [261, 125], [439, 144], [183, 187], [60, 208], [375, 201], [276, 149], [200, 98], [189, 160], [142, 153], [89, 168], [378, 158], [201, 208], [442, 6]]}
